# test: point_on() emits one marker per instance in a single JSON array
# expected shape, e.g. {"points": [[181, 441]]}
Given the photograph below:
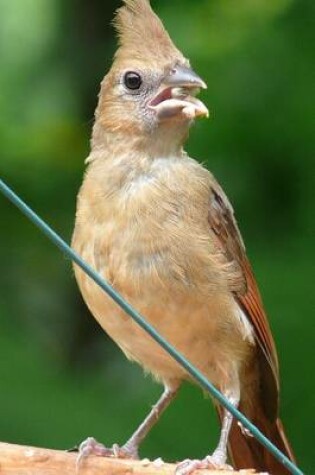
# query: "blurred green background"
{"points": [[61, 378]]}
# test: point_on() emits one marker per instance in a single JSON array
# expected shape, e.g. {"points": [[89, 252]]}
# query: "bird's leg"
{"points": [[131, 446], [130, 449], [219, 457]]}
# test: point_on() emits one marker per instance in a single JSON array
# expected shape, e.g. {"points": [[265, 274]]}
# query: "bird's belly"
{"points": [[166, 272], [208, 333]]}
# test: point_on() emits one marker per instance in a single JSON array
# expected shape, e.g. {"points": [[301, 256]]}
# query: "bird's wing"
{"points": [[229, 242]]}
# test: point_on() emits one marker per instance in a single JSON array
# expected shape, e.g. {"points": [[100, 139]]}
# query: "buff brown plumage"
{"points": [[158, 226]]}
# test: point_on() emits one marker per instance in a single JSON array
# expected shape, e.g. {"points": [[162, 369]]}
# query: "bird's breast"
{"points": [[151, 240]]}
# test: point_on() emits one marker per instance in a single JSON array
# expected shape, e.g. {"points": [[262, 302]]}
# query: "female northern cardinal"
{"points": [[157, 225]]}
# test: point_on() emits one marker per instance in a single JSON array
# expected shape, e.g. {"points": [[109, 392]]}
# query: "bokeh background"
{"points": [[61, 378]]}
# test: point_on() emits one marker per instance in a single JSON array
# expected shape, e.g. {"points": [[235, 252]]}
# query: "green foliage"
{"points": [[62, 378]]}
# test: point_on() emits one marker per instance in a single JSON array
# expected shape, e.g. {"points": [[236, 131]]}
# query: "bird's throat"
{"points": [[163, 141]]}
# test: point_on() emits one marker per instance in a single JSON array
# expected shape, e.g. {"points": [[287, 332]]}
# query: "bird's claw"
{"points": [[215, 461], [91, 446], [125, 452]]}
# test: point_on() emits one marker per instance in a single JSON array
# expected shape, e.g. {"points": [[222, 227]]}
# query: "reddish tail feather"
{"points": [[246, 452]]}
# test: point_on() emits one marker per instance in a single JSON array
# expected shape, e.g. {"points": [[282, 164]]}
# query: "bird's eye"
{"points": [[132, 80]]}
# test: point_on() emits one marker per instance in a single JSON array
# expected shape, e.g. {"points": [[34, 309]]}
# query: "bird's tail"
{"points": [[246, 452]]}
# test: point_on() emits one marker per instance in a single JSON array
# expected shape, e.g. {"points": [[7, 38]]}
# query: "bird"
{"points": [[156, 224]]}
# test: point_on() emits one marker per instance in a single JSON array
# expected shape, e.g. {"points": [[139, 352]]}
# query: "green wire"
{"points": [[209, 387]]}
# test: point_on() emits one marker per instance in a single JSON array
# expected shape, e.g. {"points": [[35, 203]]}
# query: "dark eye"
{"points": [[132, 80]]}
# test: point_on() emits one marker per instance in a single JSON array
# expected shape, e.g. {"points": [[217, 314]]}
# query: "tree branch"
{"points": [[23, 460]]}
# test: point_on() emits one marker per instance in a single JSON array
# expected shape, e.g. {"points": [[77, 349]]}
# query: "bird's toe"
{"points": [[215, 461]]}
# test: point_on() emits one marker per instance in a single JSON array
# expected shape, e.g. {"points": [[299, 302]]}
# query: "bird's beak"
{"points": [[182, 76], [176, 96]]}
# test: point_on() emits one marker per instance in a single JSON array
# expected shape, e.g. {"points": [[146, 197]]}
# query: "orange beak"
{"points": [[176, 96]]}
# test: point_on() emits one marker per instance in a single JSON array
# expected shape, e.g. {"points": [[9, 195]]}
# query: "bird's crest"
{"points": [[142, 35]]}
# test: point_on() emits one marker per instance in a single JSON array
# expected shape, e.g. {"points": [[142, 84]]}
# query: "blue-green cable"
{"points": [[69, 252]]}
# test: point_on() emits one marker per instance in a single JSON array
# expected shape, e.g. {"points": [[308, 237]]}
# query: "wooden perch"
{"points": [[22, 460]]}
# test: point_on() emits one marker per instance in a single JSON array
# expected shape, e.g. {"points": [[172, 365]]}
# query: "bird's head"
{"points": [[150, 86]]}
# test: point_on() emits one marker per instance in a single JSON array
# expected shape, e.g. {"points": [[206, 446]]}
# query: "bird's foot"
{"points": [[216, 461], [244, 430], [127, 451], [91, 446]]}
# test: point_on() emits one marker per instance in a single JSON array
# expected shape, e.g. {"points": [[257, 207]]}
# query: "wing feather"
{"points": [[229, 243]]}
